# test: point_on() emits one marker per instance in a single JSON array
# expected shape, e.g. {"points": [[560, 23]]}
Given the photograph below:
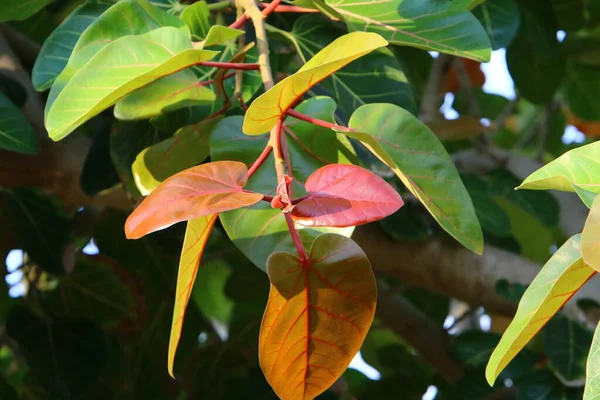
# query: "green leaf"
{"points": [[543, 384], [16, 133], [566, 343], [592, 380], [374, 78], [500, 19], [427, 24], [491, 105], [21, 9], [220, 34], [590, 237], [169, 93], [57, 48], [418, 158], [188, 147], [536, 74], [123, 66], [209, 292], [570, 14], [259, 230], [562, 275], [127, 17], [411, 222], [43, 227], [574, 171], [197, 18], [98, 172], [582, 84]]}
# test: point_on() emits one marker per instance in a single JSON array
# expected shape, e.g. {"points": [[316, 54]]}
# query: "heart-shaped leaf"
{"points": [[318, 314], [590, 237], [345, 195], [427, 24], [264, 112], [196, 235], [554, 285], [418, 158], [121, 67], [199, 191], [574, 171]]}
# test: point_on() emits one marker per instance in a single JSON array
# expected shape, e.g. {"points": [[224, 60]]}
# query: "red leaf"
{"points": [[199, 191], [282, 197], [345, 195]]}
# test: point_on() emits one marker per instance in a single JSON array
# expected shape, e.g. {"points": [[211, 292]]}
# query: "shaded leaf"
{"points": [[98, 172], [317, 316], [264, 112], [500, 19], [558, 280], [574, 171], [426, 24], [592, 381], [581, 86], [196, 192], [16, 133], [196, 235], [345, 195], [566, 343], [21, 9], [417, 157]]}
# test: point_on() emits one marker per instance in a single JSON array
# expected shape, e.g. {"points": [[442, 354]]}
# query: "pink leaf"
{"points": [[345, 195]]}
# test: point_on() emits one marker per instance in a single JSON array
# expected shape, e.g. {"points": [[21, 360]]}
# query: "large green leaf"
{"points": [[57, 48], [16, 133], [575, 171], [580, 91], [566, 343], [418, 158], [557, 281], [21, 9], [592, 379], [501, 19], [374, 78], [127, 17], [260, 230], [123, 66], [590, 237], [427, 24], [197, 18]]}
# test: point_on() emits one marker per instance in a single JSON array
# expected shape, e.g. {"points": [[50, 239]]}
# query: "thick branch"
{"points": [[430, 104]]}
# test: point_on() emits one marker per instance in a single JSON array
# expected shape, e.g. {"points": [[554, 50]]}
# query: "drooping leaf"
{"points": [[345, 195], [196, 192], [42, 226], [196, 235], [500, 19], [57, 48], [582, 83], [592, 380], [188, 147], [574, 171], [21, 9], [317, 316], [417, 157], [590, 237], [427, 24], [557, 281], [121, 67], [264, 112], [566, 343], [16, 133], [382, 79]]}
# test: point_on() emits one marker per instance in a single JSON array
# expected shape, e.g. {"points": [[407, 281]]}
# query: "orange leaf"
{"points": [[317, 316], [199, 191], [196, 235]]}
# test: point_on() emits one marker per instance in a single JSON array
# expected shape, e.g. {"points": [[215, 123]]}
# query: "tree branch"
{"points": [[430, 104]]}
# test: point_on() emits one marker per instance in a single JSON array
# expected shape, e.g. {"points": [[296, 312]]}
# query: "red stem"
{"points": [[211, 81], [260, 160], [286, 157], [319, 122], [299, 199], [228, 65], [286, 8], [295, 237], [243, 20]]}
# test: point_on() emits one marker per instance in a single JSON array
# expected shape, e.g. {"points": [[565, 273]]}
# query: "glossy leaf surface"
{"points": [[554, 285], [317, 316], [574, 171], [193, 193], [118, 69], [264, 112], [590, 237], [196, 235], [580, 88], [418, 158], [16, 133], [345, 195], [500, 19], [427, 24]]}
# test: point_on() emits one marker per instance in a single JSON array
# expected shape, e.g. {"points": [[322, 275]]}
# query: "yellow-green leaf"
{"points": [[196, 235], [121, 67], [554, 285], [575, 171], [318, 314], [590, 237], [271, 105], [218, 34]]}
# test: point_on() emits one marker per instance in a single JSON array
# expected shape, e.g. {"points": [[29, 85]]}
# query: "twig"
{"points": [[430, 104]]}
